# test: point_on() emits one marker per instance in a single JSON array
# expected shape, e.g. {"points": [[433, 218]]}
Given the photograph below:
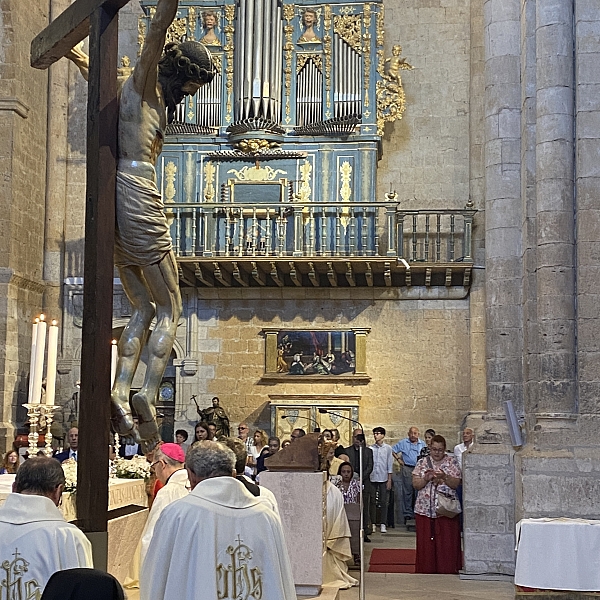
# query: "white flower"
{"points": [[70, 470], [136, 468]]}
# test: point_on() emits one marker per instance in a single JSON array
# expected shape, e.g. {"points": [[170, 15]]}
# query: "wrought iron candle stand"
{"points": [[33, 414], [47, 412]]}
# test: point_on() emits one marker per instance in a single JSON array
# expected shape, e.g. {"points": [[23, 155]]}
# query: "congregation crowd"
{"points": [[415, 483]]}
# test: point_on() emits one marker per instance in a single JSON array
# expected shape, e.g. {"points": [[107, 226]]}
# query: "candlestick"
{"points": [[51, 366], [114, 358], [47, 411], [117, 444], [33, 414], [40, 347], [32, 359]]}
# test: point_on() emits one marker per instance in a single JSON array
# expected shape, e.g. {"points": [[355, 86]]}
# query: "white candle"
{"points": [[51, 366], [38, 369], [114, 357], [32, 359]]}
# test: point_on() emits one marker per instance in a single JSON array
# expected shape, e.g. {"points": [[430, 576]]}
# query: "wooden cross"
{"points": [[99, 20]]}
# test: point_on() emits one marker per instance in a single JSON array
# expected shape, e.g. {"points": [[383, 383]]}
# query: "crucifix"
{"points": [[99, 20], [125, 131]]}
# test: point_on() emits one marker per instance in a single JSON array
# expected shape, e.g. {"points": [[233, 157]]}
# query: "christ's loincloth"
{"points": [[142, 234]]}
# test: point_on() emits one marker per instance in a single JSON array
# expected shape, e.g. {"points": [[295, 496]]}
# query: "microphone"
{"points": [[324, 411], [317, 427]]}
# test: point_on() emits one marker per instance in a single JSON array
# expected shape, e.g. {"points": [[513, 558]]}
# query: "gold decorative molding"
{"points": [[248, 173], [229, 47], [217, 61], [367, 51], [348, 27], [345, 190], [141, 33], [170, 189], [327, 50], [192, 21], [305, 189], [288, 15], [209, 180], [302, 59], [254, 146], [380, 30], [14, 105], [391, 100], [177, 30]]}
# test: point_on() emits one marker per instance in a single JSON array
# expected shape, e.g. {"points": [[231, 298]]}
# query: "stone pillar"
{"points": [[504, 322], [56, 175], [587, 25], [555, 208]]}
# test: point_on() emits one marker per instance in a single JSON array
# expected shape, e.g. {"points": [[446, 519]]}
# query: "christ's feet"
{"points": [[147, 428], [121, 419]]}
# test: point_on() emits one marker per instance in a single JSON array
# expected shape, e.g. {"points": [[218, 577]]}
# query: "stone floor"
{"points": [[392, 586], [396, 586]]}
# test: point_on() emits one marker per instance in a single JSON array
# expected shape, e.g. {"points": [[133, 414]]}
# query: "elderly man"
{"points": [[218, 542], [35, 539], [71, 451], [406, 452], [467, 444], [297, 433]]}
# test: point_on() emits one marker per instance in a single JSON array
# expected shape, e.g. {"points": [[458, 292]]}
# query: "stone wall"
{"points": [[22, 199]]}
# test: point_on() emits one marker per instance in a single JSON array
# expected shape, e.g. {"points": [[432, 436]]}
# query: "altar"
{"points": [[128, 510]]}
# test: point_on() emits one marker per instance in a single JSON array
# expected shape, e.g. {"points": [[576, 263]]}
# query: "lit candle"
{"points": [[32, 359], [51, 366], [38, 369], [114, 357]]}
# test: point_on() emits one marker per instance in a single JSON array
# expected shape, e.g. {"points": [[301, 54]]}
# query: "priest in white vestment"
{"points": [[170, 471], [220, 541], [338, 552], [35, 539]]}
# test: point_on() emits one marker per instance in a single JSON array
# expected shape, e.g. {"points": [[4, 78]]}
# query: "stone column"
{"points": [[587, 25], [503, 220], [555, 208]]}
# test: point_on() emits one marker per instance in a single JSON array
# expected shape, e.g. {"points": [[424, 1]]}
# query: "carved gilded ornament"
{"points": [[209, 180], [254, 146], [177, 30], [327, 50], [190, 103], [141, 33], [345, 190], [288, 15], [367, 52], [349, 29], [380, 30], [217, 61], [170, 190], [302, 59], [305, 189], [229, 30], [192, 20], [391, 101], [257, 173]]}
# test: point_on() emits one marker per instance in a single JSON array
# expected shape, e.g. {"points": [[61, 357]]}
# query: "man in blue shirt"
{"points": [[406, 452]]}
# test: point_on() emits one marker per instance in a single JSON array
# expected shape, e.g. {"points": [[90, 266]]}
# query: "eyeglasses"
{"points": [[242, 428], [154, 464]]}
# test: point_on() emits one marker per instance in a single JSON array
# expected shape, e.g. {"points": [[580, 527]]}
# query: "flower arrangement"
{"points": [[70, 469], [136, 468]]}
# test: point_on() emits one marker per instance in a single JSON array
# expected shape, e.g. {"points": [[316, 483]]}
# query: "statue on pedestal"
{"points": [[217, 415]]}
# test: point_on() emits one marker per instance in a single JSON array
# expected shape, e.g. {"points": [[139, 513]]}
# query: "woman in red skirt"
{"points": [[438, 538]]}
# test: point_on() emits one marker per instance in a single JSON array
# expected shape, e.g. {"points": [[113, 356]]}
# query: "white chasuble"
{"points": [[221, 542], [35, 542]]}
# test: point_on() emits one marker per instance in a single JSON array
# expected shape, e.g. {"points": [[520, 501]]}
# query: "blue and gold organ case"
{"points": [[278, 155]]}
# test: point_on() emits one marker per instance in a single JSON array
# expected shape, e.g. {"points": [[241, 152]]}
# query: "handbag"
{"points": [[446, 505]]}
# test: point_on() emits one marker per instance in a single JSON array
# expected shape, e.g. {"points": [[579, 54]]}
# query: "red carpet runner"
{"points": [[390, 560]]}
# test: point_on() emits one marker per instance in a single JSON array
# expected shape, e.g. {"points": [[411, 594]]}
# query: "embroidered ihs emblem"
{"points": [[238, 580], [12, 583]]}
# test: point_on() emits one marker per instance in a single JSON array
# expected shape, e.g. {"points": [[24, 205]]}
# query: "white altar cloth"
{"points": [[121, 492], [558, 554]]}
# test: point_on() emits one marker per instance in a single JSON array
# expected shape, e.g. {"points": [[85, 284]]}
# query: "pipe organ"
{"points": [[288, 133]]}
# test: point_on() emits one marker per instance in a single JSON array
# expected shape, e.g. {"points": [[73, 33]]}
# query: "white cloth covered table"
{"points": [[558, 554], [121, 492]]}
